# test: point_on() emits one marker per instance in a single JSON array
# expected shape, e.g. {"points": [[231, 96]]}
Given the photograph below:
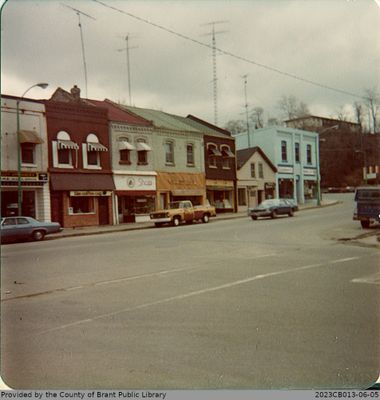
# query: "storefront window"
{"points": [[242, 199], [81, 205]]}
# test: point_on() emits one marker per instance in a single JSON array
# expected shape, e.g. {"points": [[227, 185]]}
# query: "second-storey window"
{"points": [[27, 153], [308, 154], [169, 152], [297, 152], [284, 151], [261, 170], [253, 170], [190, 154], [63, 150], [91, 153]]}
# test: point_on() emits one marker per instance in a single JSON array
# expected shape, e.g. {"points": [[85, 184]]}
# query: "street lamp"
{"points": [[19, 189]]}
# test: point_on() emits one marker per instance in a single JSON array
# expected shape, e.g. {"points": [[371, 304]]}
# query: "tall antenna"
{"points": [[246, 107], [127, 48], [79, 13], [215, 77]]}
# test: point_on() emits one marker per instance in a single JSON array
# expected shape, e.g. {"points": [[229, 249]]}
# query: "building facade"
{"points": [[178, 158], [27, 177], [220, 164], [80, 172], [256, 178], [295, 154]]}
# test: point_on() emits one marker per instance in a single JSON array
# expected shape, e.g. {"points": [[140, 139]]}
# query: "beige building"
{"points": [[256, 176]]}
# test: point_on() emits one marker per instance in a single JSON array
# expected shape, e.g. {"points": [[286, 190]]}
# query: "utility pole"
{"points": [[215, 77], [126, 49], [246, 108], [79, 13]]}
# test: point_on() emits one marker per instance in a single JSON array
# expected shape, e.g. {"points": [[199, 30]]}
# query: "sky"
{"points": [[301, 48]]}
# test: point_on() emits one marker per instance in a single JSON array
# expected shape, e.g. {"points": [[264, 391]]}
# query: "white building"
{"points": [[30, 177]]}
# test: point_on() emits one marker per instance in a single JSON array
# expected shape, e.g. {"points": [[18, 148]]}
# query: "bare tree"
{"points": [[236, 126], [373, 105], [359, 113], [292, 108], [257, 117]]}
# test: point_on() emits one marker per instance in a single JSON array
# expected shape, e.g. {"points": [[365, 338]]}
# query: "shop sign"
{"points": [[219, 183], [141, 183], [12, 176], [285, 170], [308, 171], [91, 193]]}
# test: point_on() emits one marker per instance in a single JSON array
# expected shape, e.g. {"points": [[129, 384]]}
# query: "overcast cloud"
{"points": [[335, 43]]}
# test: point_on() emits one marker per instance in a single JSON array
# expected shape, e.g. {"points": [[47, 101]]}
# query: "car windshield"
{"points": [[269, 203], [176, 204]]}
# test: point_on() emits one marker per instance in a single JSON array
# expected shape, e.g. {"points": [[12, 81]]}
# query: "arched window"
{"points": [[212, 154], [91, 150], [63, 149]]}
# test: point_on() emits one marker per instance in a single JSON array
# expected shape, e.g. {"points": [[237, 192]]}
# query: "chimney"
{"points": [[75, 91]]}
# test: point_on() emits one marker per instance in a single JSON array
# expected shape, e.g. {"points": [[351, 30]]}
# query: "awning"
{"points": [[143, 147], [73, 181], [96, 147], [214, 151], [29, 137], [67, 144], [124, 145], [228, 153], [188, 192]]}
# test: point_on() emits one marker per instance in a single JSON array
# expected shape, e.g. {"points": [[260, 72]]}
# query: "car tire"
{"points": [[274, 214], [38, 235], [365, 224], [206, 218], [291, 213], [254, 217], [176, 221]]}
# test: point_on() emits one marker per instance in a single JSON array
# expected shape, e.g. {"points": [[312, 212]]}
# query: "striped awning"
{"points": [[124, 145], [96, 147], [67, 145], [29, 137], [228, 153], [213, 151], [141, 146]]}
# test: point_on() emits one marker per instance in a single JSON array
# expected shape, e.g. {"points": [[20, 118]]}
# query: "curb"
{"points": [[74, 233]]}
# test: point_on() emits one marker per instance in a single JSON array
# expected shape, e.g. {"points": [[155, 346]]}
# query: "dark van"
{"points": [[367, 205]]}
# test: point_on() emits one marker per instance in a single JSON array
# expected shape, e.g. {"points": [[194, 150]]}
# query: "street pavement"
{"points": [[369, 238], [233, 304]]}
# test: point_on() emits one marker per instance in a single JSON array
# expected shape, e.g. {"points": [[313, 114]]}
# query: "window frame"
{"points": [[284, 151], [169, 155]]}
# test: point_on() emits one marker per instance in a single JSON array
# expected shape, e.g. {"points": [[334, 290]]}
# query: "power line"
{"points": [[227, 53]]}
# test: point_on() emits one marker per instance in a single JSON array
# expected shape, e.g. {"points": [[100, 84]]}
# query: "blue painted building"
{"points": [[295, 153]]}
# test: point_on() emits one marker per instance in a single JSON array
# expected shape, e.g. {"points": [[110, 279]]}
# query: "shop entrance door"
{"points": [[103, 210], [57, 208]]}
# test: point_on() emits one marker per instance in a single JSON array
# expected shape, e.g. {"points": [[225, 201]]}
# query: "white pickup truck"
{"points": [[182, 211]]}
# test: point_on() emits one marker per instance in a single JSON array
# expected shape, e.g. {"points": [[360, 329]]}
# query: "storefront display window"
{"points": [[81, 205]]}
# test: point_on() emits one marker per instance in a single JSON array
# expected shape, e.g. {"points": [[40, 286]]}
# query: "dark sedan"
{"points": [[21, 228], [272, 208]]}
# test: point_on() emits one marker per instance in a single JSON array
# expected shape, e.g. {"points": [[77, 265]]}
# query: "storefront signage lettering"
{"points": [[25, 176], [285, 170], [140, 183], [308, 171], [92, 193]]}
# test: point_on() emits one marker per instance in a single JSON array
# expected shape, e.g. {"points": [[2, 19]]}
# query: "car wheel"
{"points": [[254, 217], [176, 221], [365, 224], [291, 213], [205, 218], [38, 235], [274, 214]]}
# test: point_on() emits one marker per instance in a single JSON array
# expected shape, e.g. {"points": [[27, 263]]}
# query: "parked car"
{"points": [[293, 203], [21, 228], [182, 211], [367, 208], [272, 208]]}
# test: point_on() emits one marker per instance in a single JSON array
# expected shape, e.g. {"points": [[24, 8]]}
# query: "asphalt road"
{"points": [[235, 304]]}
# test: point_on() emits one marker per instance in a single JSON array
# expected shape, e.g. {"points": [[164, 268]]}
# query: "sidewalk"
{"points": [[95, 230]]}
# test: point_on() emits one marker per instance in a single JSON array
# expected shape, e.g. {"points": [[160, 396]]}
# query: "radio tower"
{"points": [[79, 13], [126, 49], [214, 70], [246, 108]]}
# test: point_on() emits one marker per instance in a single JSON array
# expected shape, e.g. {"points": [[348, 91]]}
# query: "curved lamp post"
{"points": [[19, 190]]}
